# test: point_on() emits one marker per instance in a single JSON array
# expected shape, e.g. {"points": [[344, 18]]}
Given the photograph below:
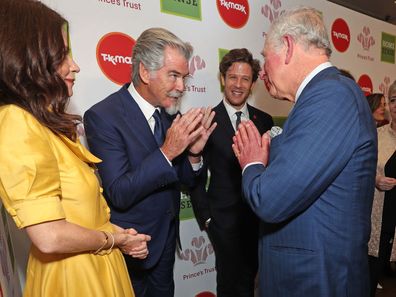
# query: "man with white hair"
{"points": [[312, 185]]}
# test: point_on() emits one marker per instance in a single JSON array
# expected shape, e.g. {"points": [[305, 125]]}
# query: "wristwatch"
{"points": [[207, 222]]}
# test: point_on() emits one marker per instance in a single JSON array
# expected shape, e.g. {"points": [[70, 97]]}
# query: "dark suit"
{"points": [[314, 198], [142, 189], [233, 229]]}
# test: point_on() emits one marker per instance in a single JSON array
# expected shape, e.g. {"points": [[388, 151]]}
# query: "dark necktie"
{"points": [[238, 119], [158, 129]]}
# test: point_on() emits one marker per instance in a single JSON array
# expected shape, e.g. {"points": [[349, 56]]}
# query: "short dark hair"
{"points": [[374, 100], [32, 49], [240, 55]]}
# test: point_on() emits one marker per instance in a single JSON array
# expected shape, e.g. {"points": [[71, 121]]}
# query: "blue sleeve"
{"points": [[316, 144], [125, 182]]}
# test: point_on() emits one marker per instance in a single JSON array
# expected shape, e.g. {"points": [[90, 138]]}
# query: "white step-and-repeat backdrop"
{"points": [[103, 33]]}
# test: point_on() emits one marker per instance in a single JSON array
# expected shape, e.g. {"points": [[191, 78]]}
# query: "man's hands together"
{"points": [[190, 130], [249, 146]]}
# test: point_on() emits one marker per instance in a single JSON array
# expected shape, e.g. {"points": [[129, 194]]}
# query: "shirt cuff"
{"points": [[170, 163], [197, 166], [250, 164]]}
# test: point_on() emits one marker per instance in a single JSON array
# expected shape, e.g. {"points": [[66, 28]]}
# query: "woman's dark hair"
{"points": [[31, 51], [346, 73], [374, 101], [240, 55]]}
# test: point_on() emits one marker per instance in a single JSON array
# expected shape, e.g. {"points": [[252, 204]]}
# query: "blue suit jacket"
{"points": [[314, 198], [141, 188]]}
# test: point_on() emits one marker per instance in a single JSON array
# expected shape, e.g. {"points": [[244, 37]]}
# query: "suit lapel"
{"points": [[222, 117], [256, 119], [166, 119], [136, 121]]}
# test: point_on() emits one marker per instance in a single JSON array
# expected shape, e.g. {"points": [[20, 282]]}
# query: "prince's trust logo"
{"points": [[384, 86], [196, 64], [199, 251], [366, 40], [272, 11]]}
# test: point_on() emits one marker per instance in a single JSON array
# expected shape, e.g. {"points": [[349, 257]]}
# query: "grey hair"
{"points": [[392, 89], [149, 50], [304, 24]]}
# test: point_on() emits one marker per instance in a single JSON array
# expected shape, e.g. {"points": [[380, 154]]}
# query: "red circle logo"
{"points": [[340, 35], [235, 13], [365, 84], [205, 294], [114, 56]]}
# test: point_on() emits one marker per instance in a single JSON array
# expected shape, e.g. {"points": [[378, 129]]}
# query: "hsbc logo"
{"points": [[116, 59], [231, 5], [339, 35]]}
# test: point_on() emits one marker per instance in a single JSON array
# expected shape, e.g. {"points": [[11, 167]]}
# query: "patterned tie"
{"points": [[158, 129], [238, 119]]}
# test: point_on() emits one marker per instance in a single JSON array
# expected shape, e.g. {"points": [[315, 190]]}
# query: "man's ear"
{"points": [[288, 41], [222, 80], [144, 73]]}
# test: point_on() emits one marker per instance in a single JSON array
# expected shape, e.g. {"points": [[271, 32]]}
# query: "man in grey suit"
{"points": [[312, 186]]}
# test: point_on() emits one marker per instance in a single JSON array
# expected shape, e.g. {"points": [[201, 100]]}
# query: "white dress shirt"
{"points": [[148, 111], [231, 112]]}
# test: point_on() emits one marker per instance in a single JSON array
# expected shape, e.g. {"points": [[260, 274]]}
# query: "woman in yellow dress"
{"points": [[47, 179]]}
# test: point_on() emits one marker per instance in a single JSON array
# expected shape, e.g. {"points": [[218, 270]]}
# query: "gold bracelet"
{"points": [[112, 243], [104, 243]]}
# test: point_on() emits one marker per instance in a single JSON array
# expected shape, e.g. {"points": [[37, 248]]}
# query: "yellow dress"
{"points": [[44, 177]]}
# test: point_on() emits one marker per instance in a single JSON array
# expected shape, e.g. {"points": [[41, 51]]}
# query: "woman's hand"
{"points": [[384, 183], [131, 242]]}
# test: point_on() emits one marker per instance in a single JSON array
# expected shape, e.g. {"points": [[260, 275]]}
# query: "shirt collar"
{"points": [[144, 106], [310, 76], [231, 110]]}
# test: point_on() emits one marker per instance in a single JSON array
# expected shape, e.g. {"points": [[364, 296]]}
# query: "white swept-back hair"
{"points": [[304, 24]]}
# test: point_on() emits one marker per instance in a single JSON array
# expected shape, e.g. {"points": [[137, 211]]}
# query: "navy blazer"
{"points": [[314, 198], [141, 188], [224, 190]]}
